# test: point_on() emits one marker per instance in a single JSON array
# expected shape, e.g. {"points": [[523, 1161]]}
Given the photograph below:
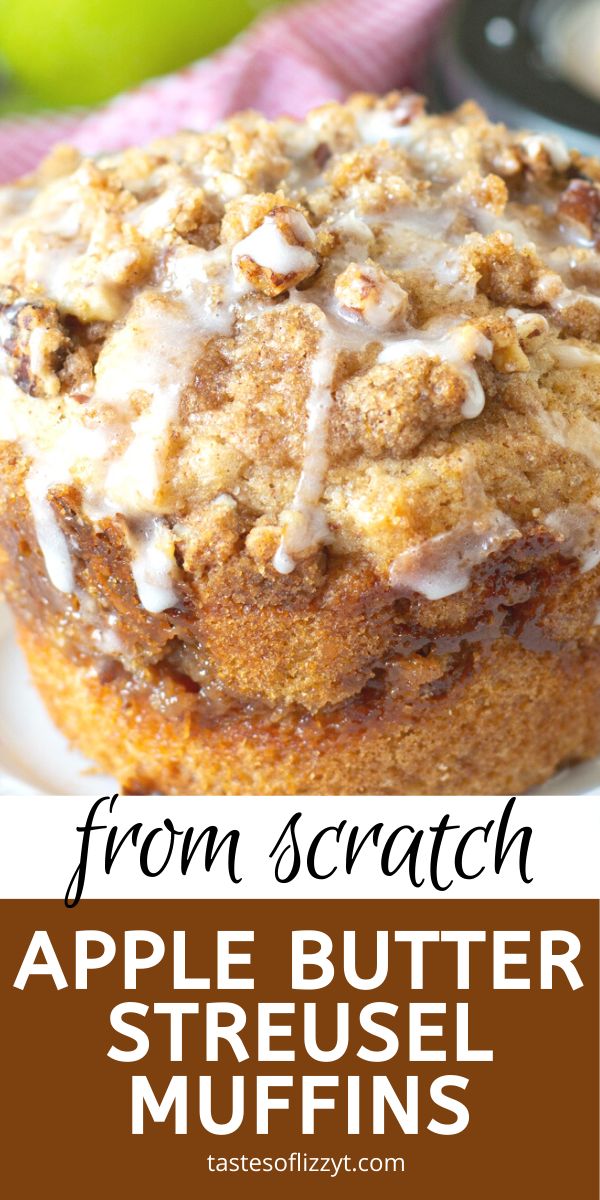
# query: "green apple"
{"points": [[77, 52]]}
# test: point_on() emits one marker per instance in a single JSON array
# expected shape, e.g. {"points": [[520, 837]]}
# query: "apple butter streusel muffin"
{"points": [[300, 452]]}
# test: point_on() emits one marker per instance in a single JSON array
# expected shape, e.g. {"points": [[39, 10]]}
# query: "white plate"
{"points": [[36, 759]]}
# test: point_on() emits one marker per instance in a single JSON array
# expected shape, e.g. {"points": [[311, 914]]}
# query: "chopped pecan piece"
{"points": [[403, 107], [35, 343], [579, 205], [368, 292], [507, 356], [544, 154], [77, 375], [322, 154], [410, 106], [279, 253]]}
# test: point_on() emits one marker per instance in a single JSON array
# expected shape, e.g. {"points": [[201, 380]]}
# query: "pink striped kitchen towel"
{"points": [[288, 61]]}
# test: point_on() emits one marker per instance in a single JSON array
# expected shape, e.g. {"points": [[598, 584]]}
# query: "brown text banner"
{"points": [[421, 1048]]}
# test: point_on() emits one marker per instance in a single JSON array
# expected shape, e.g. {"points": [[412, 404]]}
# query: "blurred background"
{"points": [[63, 53], [530, 62]]}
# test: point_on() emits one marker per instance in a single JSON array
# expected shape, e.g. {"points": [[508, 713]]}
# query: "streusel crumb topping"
{"points": [[372, 333]]}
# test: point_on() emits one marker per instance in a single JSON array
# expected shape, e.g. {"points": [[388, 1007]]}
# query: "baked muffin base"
{"points": [[506, 728]]}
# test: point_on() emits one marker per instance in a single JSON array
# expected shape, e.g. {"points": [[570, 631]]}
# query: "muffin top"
{"points": [[370, 335]]}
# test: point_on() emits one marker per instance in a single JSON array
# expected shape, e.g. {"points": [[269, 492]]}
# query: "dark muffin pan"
{"points": [[491, 50]]}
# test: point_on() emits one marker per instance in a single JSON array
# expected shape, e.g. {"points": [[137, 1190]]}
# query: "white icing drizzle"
{"points": [[441, 566], [456, 347], [105, 635], [392, 125], [372, 296], [527, 324], [51, 539], [153, 566], [568, 355], [391, 300], [153, 353], [579, 527], [567, 297], [49, 470], [554, 146], [306, 524], [355, 229], [148, 360], [155, 346], [418, 240], [154, 215], [150, 355], [428, 222], [579, 433], [268, 247], [513, 229]]}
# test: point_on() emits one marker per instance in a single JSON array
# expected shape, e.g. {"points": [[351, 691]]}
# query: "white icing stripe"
{"points": [[105, 635], [50, 470], [579, 527], [442, 565], [578, 434], [456, 348], [390, 125], [153, 567], [149, 356], [153, 354], [527, 323], [51, 539], [366, 292], [155, 215], [381, 312], [308, 526], [554, 146], [304, 524], [568, 355], [268, 247], [568, 297]]}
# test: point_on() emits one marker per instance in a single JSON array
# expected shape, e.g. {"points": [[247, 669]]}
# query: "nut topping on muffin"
{"points": [[279, 253], [135, 275], [545, 152], [579, 205], [34, 342], [368, 292]]}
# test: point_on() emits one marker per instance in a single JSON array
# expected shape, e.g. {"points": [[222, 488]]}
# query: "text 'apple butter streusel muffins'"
{"points": [[300, 452]]}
